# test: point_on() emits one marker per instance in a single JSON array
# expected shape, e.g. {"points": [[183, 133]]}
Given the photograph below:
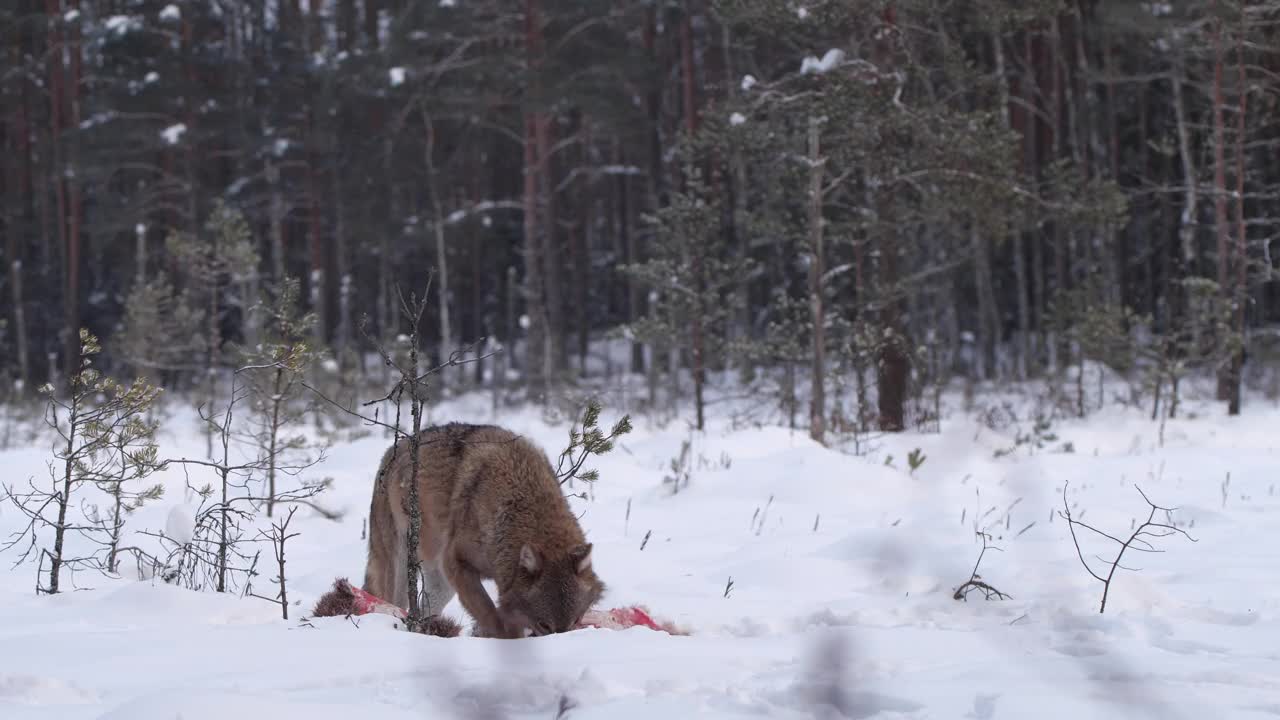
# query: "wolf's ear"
{"points": [[581, 557], [529, 560]]}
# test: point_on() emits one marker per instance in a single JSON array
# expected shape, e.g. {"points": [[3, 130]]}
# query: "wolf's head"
{"points": [[551, 592]]}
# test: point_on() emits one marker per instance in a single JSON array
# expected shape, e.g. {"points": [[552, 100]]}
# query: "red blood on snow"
{"points": [[347, 599]]}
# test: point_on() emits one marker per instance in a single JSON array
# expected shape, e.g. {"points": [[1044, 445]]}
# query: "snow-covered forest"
{"points": [[915, 358]]}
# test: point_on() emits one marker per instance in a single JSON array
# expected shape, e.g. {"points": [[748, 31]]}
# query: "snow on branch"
{"points": [[812, 65]]}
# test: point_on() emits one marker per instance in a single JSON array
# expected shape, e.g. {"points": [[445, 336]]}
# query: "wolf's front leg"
{"points": [[471, 593], [435, 592]]}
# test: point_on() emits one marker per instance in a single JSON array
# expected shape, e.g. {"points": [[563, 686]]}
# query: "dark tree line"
{"points": [[853, 198]]}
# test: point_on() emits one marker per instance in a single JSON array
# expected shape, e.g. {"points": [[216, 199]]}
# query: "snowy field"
{"points": [[842, 567]]}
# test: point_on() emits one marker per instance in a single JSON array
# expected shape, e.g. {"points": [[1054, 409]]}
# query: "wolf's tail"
{"points": [[384, 567]]}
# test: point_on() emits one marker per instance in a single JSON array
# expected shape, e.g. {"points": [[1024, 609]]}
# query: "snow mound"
{"points": [[819, 582]]}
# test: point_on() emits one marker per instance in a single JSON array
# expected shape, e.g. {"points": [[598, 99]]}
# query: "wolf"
{"points": [[491, 509]]}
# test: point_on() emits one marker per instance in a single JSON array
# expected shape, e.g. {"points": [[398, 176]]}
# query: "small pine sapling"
{"points": [[915, 459], [1040, 436], [215, 541], [587, 439], [214, 553], [160, 336], [681, 469], [135, 451], [226, 253], [101, 440], [276, 367], [689, 276]]}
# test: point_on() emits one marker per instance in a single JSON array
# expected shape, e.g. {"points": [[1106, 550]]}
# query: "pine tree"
{"points": [[275, 370], [690, 273], [222, 263], [161, 334], [102, 440]]}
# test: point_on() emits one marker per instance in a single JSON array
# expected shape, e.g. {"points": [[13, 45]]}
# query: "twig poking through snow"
{"points": [[566, 704], [763, 515], [278, 536], [975, 581], [1150, 529]]}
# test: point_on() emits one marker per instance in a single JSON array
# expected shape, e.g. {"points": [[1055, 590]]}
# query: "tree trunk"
{"points": [[581, 245], [273, 437], [537, 352], [1058, 348], [64, 497], [552, 272], [442, 250], [1019, 263], [1190, 176], [214, 341], [740, 324], [57, 97], [893, 366], [17, 300], [16, 230], [1037, 148], [1242, 258], [482, 322], [657, 188], [346, 22], [76, 208], [817, 268], [1086, 126], [1120, 253], [1146, 231], [1221, 221], [698, 331], [189, 102], [371, 8], [318, 254], [386, 275], [630, 244], [988, 318], [276, 215], [346, 284]]}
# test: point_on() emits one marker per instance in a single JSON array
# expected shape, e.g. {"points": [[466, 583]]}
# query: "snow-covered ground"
{"points": [[842, 570]]}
